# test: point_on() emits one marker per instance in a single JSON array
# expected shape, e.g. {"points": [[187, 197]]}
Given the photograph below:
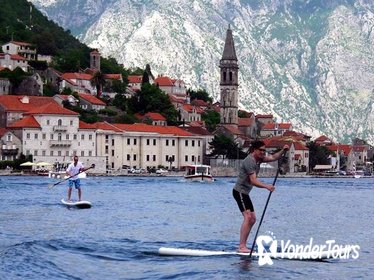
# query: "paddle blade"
{"points": [[50, 186]]}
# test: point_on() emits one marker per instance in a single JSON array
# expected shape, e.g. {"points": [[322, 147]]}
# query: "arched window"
{"points": [[59, 122], [230, 76], [59, 137]]}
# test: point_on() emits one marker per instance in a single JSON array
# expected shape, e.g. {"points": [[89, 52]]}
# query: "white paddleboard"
{"points": [[78, 204], [340, 253]]}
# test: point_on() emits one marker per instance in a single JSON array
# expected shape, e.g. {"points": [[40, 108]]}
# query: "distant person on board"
{"points": [[73, 170], [247, 178]]}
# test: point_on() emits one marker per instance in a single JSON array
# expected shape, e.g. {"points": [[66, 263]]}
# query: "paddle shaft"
{"points": [[266, 205], [55, 184]]}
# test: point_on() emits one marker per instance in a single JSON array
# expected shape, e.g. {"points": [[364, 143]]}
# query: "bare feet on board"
{"points": [[243, 250]]}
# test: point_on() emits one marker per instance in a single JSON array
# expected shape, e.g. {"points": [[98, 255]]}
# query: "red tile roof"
{"points": [[113, 76], [3, 131], [197, 130], [175, 99], [140, 127], [272, 126], [163, 81], [13, 56], [26, 122], [189, 108], [232, 129], [84, 125], [107, 126], [340, 147], [13, 102], [152, 116], [359, 149], [264, 116], [199, 102], [322, 138], [135, 79], [52, 108], [92, 99], [245, 121], [77, 76], [20, 43]]}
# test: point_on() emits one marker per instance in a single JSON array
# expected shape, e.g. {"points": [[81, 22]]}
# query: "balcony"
{"points": [[60, 128], [9, 152], [59, 143]]}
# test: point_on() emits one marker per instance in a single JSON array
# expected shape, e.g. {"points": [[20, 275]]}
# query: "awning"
{"points": [[27, 163], [322, 167], [43, 163]]}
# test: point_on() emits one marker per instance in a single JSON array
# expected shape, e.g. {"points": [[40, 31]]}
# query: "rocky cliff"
{"points": [[307, 62]]}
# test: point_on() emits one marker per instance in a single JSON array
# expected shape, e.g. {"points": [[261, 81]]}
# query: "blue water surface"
{"points": [[131, 217]]}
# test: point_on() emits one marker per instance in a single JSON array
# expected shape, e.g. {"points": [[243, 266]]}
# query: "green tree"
{"points": [[318, 154], [98, 81], [226, 147], [120, 101], [211, 119], [153, 99], [201, 94]]}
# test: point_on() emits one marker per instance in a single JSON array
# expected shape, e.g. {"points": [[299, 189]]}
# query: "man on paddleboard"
{"points": [[247, 178], [73, 170]]}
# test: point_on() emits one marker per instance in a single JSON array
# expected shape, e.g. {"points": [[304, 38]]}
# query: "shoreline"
{"points": [[179, 174]]}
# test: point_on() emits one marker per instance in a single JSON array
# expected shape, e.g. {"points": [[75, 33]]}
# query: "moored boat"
{"points": [[199, 173]]}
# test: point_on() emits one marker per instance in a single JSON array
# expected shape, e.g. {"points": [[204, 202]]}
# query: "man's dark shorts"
{"points": [[243, 200]]}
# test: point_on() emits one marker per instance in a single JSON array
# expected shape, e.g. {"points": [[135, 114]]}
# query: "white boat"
{"points": [[198, 173], [358, 174]]}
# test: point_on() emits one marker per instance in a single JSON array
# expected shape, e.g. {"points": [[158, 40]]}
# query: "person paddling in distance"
{"points": [[247, 178], [73, 170]]}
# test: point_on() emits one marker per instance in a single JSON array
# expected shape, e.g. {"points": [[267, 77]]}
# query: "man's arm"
{"points": [[277, 155], [254, 181]]}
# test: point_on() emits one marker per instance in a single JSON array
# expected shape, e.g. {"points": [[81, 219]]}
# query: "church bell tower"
{"points": [[229, 82]]}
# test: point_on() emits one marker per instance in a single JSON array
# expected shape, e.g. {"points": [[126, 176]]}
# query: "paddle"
{"points": [[50, 186], [267, 202]]}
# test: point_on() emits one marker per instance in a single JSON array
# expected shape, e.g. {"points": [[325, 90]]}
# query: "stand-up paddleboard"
{"points": [[78, 204], [326, 254]]}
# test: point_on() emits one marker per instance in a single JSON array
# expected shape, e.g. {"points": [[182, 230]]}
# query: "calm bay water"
{"points": [[132, 217]]}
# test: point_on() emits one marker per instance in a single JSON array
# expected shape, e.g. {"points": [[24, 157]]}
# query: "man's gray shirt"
{"points": [[248, 167]]}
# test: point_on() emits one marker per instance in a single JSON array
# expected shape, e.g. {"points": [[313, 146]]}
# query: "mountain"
{"points": [[307, 62]]}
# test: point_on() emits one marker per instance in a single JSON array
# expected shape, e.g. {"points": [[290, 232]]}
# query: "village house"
{"points": [[31, 85], [5, 86], [152, 118], [248, 125], [26, 50], [265, 118], [135, 82], [60, 99], [189, 113], [275, 129], [11, 145], [171, 86], [13, 108], [12, 61], [297, 155], [146, 146], [51, 133], [90, 102], [78, 82]]}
